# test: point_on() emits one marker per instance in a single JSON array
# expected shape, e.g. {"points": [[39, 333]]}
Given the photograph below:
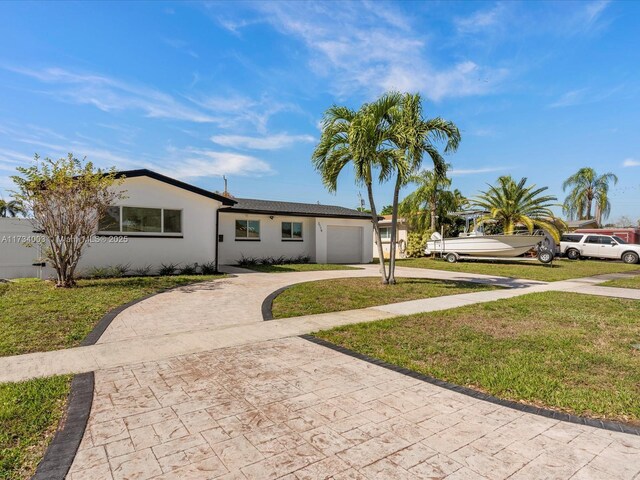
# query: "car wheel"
{"points": [[545, 256], [630, 257], [572, 254], [451, 257]]}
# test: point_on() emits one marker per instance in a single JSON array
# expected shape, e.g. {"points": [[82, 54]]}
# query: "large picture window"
{"points": [[291, 230], [142, 220], [247, 229]]}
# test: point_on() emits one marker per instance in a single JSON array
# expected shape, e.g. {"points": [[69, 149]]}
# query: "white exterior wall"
{"points": [[270, 243], [197, 244], [402, 233], [20, 248], [321, 225]]}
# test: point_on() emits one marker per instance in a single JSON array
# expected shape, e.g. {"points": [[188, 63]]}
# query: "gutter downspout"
{"points": [[217, 238]]}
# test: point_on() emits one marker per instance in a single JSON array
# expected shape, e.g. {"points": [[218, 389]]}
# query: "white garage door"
{"points": [[344, 244]]}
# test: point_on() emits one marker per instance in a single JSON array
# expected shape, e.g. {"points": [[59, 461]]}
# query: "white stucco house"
{"points": [[162, 220]]}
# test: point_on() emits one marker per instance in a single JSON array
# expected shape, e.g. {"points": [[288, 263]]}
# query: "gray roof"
{"points": [[580, 223], [271, 207]]}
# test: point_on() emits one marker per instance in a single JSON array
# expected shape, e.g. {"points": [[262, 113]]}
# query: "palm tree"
{"points": [[421, 207], [586, 187], [414, 136], [361, 139], [12, 208], [510, 203]]}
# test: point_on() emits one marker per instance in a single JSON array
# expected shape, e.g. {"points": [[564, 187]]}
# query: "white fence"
{"points": [[20, 250]]}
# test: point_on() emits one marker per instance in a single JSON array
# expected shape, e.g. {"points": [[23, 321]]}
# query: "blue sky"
{"points": [[197, 90]]}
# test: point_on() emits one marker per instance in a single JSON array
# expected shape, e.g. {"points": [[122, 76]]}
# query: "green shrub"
{"points": [[189, 269], [208, 268], [142, 271], [416, 243], [167, 269]]}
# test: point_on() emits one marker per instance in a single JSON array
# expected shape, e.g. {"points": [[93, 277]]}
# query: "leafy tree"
{"points": [[422, 206], [11, 208], [386, 210], [67, 198], [588, 187], [510, 203], [414, 136], [360, 139]]}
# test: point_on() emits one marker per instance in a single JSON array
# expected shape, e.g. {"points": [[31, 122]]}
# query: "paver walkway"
{"points": [[227, 312], [291, 409]]}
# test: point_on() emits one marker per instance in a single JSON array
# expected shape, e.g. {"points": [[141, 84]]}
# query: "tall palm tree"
{"points": [[361, 139], [510, 203], [586, 187], [414, 136], [421, 206], [12, 208]]}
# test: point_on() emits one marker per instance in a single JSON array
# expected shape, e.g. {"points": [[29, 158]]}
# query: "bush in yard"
{"points": [[189, 269], [416, 243], [208, 268], [67, 198], [167, 269], [142, 271]]}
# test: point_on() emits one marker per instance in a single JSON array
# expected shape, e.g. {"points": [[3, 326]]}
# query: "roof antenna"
{"points": [[226, 193], [361, 200]]}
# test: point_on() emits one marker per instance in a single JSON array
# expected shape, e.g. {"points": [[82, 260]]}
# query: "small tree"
{"points": [[67, 198]]}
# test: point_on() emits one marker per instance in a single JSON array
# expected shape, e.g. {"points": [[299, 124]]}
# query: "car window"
{"points": [[571, 238], [606, 240], [592, 239], [619, 240]]}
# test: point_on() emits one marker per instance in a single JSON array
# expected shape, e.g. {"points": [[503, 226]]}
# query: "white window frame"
{"points": [[382, 237], [247, 238], [161, 233]]}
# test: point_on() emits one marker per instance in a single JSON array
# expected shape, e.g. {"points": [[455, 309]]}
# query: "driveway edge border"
{"points": [[62, 450], [543, 412]]}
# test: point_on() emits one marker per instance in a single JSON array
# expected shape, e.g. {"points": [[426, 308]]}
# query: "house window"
{"points": [[141, 220], [247, 229], [110, 222], [172, 221], [385, 233], [291, 230]]}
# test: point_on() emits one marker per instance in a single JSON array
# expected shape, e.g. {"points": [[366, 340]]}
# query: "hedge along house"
{"points": [[165, 221]]}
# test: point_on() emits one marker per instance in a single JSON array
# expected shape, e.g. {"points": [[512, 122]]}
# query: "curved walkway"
{"points": [[228, 312], [203, 388]]}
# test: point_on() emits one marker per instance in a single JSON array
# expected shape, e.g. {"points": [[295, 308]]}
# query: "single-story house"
{"points": [[573, 225], [162, 220], [402, 236]]}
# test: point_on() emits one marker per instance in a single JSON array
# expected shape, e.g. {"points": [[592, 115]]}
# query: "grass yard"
{"points": [[562, 269], [565, 351], [350, 293], [298, 267], [29, 415], [36, 317], [623, 283]]}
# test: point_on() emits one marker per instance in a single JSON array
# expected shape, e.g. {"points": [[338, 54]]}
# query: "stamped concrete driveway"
{"points": [[291, 409]]}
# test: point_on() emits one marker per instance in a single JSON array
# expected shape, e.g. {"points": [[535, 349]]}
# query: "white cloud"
{"points": [[631, 162], [584, 96], [269, 142], [194, 163], [481, 20], [373, 50], [474, 171], [110, 94], [181, 46]]}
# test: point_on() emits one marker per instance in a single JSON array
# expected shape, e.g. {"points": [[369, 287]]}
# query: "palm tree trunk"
{"points": [[589, 200], [376, 229], [391, 279], [433, 218]]}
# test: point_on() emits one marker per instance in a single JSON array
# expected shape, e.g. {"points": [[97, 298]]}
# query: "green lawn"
{"points": [[565, 351], [29, 416], [36, 317], [350, 293], [562, 269], [624, 283], [298, 267]]}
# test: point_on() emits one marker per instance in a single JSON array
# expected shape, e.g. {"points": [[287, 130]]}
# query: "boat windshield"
{"points": [[619, 240]]}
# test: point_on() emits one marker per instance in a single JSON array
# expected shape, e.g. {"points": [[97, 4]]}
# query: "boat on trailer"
{"points": [[477, 244]]}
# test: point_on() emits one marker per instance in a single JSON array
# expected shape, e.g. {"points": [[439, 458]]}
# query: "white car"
{"points": [[590, 245]]}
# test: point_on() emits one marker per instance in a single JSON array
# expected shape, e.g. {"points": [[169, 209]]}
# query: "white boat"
{"points": [[474, 243], [479, 245]]}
